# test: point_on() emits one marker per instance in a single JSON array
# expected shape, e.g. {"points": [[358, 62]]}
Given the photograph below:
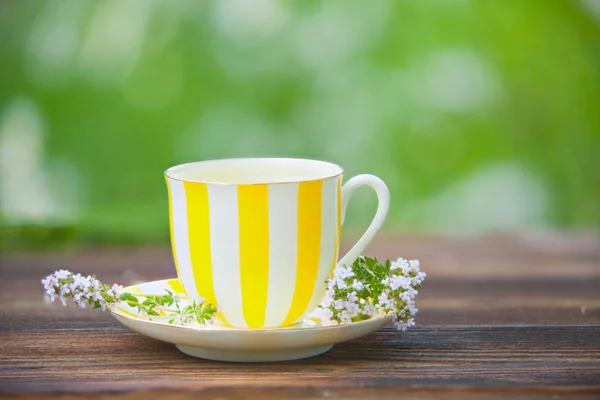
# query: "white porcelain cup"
{"points": [[259, 236]]}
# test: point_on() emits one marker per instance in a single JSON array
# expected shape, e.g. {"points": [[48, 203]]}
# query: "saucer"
{"points": [[226, 343]]}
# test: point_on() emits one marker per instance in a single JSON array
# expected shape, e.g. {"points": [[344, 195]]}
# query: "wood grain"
{"points": [[500, 316]]}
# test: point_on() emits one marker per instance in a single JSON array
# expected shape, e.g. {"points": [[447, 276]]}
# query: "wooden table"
{"points": [[499, 316]]}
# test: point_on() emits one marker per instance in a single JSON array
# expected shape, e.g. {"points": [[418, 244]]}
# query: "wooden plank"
{"points": [[114, 359], [499, 316]]}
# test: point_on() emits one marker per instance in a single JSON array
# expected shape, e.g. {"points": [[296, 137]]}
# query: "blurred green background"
{"points": [[480, 115]]}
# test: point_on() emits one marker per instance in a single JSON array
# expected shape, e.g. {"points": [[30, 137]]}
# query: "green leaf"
{"points": [[128, 297]]}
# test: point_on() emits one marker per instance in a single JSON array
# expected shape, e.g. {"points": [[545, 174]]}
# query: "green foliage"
{"points": [[153, 305], [480, 115]]}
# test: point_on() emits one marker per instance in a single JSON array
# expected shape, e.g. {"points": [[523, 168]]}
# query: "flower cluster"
{"points": [[82, 290], [344, 301], [368, 288], [66, 285]]}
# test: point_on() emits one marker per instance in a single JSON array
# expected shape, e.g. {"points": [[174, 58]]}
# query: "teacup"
{"points": [[259, 236]]}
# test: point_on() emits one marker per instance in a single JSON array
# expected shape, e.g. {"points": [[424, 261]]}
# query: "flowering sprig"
{"points": [[369, 288], [82, 290], [362, 291], [66, 285]]}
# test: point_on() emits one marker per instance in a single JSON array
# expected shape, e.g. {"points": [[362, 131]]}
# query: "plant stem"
{"points": [[368, 270], [136, 304], [150, 296]]}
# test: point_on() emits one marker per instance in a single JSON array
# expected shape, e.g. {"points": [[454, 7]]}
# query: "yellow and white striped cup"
{"points": [[259, 236]]}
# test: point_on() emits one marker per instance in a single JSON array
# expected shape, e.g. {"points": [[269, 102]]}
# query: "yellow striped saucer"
{"points": [[225, 343]]}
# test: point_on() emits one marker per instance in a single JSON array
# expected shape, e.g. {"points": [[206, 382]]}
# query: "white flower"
{"points": [[420, 277], [343, 273], [352, 297], [338, 272], [48, 284], [117, 290], [326, 303], [356, 285], [406, 297], [96, 296], [339, 304], [383, 297], [345, 317], [77, 279], [401, 326], [327, 313], [413, 310], [402, 264], [352, 308], [62, 274], [181, 319], [324, 315], [369, 310], [394, 282]]}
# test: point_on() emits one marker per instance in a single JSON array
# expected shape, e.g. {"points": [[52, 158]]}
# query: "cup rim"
{"points": [[169, 172]]}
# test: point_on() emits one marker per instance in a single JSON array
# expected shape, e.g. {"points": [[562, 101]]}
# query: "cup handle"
{"points": [[383, 197]]}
